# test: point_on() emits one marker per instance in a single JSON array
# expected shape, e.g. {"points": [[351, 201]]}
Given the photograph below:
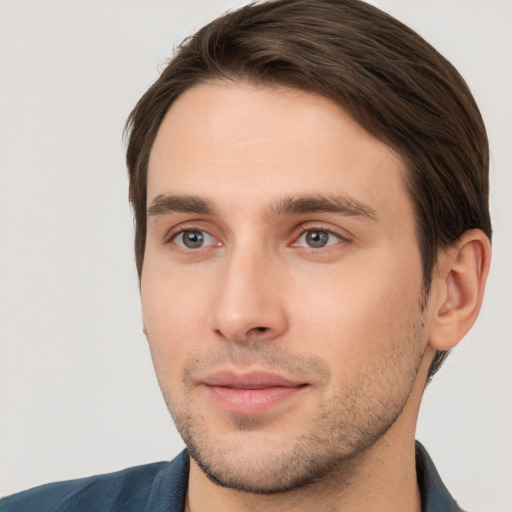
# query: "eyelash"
{"points": [[303, 230], [297, 234]]}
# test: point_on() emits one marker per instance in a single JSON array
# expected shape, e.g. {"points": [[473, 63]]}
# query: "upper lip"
{"points": [[249, 380]]}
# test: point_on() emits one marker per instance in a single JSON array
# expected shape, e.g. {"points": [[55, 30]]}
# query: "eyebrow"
{"points": [[164, 203], [341, 204]]}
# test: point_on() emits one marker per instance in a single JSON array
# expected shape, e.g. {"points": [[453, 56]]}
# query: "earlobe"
{"points": [[457, 289]]}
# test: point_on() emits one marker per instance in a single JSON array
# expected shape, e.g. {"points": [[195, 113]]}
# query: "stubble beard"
{"points": [[333, 442]]}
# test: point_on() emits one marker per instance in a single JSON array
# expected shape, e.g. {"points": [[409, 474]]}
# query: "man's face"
{"points": [[282, 283]]}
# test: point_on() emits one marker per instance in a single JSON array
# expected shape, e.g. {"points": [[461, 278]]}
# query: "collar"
{"points": [[434, 495]]}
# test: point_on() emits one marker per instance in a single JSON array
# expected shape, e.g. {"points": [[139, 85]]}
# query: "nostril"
{"points": [[256, 332]]}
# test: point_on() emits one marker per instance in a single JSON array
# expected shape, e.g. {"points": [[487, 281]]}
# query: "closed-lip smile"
{"points": [[250, 393]]}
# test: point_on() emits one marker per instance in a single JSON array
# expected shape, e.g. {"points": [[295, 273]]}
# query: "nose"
{"points": [[249, 303]]}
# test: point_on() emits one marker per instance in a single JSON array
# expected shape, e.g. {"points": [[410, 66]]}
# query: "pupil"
{"points": [[193, 239], [317, 238]]}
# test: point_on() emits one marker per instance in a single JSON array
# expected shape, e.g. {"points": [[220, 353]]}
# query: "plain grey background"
{"points": [[78, 394]]}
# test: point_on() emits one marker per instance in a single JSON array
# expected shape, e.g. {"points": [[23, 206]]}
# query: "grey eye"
{"points": [[317, 239], [193, 239]]}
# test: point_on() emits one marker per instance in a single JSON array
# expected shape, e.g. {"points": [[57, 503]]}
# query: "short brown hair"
{"points": [[392, 82]]}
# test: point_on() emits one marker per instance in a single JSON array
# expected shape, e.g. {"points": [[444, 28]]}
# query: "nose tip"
{"points": [[246, 309], [241, 329]]}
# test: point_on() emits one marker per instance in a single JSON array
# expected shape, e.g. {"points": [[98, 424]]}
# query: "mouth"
{"points": [[251, 393]]}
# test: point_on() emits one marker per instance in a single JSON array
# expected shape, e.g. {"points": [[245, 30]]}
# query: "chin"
{"points": [[262, 463], [268, 473]]}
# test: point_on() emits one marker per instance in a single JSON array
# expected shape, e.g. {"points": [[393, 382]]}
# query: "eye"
{"points": [[193, 239], [317, 239]]}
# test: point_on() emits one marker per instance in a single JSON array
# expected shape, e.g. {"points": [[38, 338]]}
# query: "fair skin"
{"points": [[283, 302]]}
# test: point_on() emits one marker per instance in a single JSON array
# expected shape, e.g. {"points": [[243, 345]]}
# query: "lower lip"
{"points": [[252, 401]]}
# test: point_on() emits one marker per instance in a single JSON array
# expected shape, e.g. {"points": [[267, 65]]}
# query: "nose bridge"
{"points": [[247, 304]]}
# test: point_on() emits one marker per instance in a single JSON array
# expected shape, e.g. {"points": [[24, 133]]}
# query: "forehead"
{"points": [[240, 140]]}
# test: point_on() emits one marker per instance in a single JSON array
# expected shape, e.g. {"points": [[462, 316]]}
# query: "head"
{"points": [[390, 87], [390, 80]]}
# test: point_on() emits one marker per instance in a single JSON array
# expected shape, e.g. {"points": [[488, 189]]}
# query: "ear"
{"points": [[458, 287]]}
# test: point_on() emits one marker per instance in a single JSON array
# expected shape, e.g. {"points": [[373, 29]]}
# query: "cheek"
{"points": [[173, 319], [356, 314], [371, 342]]}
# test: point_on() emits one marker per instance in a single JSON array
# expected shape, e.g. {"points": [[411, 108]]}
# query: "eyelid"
{"points": [[193, 225], [303, 228], [187, 225]]}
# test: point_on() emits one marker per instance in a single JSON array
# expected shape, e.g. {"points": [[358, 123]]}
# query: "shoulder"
{"points": [[434, 495], [132, 489]]}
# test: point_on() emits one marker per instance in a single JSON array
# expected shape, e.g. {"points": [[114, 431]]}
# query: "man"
{"points": [[309, 181]]}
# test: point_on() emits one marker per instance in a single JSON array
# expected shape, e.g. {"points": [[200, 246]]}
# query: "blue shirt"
{"points": [[162, 486]]}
